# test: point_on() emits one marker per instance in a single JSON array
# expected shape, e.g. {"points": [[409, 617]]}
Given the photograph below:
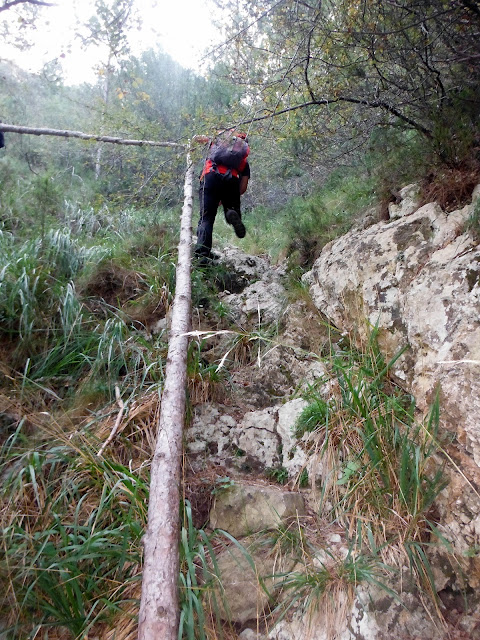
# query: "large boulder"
{"points": [[417, 277], [247, 573], [246, 508]]}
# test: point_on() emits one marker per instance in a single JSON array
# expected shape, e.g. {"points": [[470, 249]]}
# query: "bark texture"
{"points": [[159, 613]]}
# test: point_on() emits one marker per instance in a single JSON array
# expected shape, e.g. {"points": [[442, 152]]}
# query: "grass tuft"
{"points": [[374, 462]]}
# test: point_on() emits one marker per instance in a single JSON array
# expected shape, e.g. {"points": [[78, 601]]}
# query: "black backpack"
{"points": [[229, 150]]}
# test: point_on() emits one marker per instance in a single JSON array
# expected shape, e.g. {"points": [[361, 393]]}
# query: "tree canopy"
{"points": [[410, 64]]}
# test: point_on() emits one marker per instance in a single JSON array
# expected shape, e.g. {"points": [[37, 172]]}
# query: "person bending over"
{"points": [[223, 180]]}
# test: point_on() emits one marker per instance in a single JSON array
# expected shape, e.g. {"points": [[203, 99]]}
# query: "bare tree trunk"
{"points": [[106, 100], [12, 128], [159, 612]]}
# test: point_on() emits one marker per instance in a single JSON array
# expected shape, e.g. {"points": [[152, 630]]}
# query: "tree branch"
{"points": [[375, 104], [11, 128], [12, 3]]}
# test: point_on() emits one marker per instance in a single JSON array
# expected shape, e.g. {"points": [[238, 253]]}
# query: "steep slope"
{"points": [[397, 319]]}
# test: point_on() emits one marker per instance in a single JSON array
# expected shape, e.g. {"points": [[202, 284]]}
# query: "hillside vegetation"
{"points": [[374, 95]]}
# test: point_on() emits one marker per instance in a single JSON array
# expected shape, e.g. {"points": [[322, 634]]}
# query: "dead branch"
{"points": [[117, 422], [11, 128]]}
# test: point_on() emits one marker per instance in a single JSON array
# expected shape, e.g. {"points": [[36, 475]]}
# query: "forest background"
{"points": [[344, 102]]}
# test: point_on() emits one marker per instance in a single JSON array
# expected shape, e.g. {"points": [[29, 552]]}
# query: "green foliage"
{"points": [[290, 538], [346, 87], [76, 562], [222, 485], [473, 222], [309, 587], [330, 585], [303, 226], [73, 340], [395, 158], [378, 474], [198, 576], [303, 479], [279, 474], [30, 280], [204, 378], [315, 415]]}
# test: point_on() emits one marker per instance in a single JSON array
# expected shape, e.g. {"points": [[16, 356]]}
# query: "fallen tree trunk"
{"points": [[159, 610], [12, 128]]}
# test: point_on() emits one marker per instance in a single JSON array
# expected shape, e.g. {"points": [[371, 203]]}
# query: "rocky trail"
{"points": [[413, 280]]}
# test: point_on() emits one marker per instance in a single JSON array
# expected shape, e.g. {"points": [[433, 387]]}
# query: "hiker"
{"points": [[223, 180]]}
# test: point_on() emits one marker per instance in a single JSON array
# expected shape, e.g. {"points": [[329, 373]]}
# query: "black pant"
{"points": [[214, 188]]}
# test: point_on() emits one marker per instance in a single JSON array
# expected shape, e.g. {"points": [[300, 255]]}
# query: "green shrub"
{"points": [[312, 417]]}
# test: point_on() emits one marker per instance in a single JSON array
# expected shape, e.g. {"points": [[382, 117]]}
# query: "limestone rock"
{"points": [[246, 588], [211, 431], [372, 614], [250, 440], [257, 435], [255, 295], [251, 268], [281, 371], [418, 278], [408, 202], [245, 508], [250, 634], [304, 327], [261, 303]]}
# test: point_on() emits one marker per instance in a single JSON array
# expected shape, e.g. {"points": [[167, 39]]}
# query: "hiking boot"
{"points": [[235, 219], [206, 260]]}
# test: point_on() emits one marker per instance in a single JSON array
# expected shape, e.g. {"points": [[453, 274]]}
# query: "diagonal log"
{"points": [[159, 610]]}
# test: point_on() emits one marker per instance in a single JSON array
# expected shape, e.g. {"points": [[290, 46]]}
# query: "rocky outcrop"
{"points": [[417, 278], [253, 440], [261, 300]]}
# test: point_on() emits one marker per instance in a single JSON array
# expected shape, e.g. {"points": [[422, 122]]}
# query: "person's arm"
{"points": [[201, 139], [243, 184]]}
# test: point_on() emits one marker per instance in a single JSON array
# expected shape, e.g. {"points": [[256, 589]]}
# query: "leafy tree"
{"points": [[405, 63], [17, 19], [108, 30]]}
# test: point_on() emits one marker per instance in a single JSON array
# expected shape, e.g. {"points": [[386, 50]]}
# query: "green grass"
{"points": [[201, 600], [312, 417], [473, 222], [71, 550], [64, 340], [74, 308], [277, 474], [378, 478]]}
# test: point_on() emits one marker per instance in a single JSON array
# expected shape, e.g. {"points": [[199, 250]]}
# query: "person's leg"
{"points": [[230, 196], [209, 196]]}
